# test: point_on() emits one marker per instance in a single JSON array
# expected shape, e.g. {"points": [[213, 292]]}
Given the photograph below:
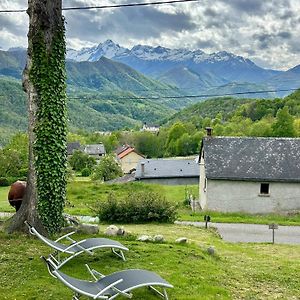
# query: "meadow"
{"points": [[83, 194]]}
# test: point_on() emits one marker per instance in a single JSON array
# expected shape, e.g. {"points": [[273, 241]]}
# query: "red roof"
{"points": [[127, 151]]}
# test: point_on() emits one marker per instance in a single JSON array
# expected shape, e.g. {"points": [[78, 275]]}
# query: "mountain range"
{"points": [[111, 87], [193, 71]]}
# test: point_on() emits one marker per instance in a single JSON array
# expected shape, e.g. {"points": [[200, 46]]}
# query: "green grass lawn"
{"points": [[217, 217], [237, 271], [4, 205], [82, 194]]}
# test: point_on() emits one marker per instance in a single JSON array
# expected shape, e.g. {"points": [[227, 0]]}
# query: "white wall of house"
{"points": [[243, 196], [130, 161], [202, 185]]}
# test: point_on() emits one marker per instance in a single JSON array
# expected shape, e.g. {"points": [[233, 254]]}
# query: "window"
{"points": [[264, 189]]}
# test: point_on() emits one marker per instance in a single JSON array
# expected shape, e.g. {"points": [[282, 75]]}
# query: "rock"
{"points": [[112, 230], [145, 238], [88, 229], [159, 238], [182, 240], [68, 229], [121, 231], [71, 220], [211, 250]]}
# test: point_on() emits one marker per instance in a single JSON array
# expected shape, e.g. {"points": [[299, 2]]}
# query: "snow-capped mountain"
{"points": [[108, 49], [111, 50], [164, 64]]}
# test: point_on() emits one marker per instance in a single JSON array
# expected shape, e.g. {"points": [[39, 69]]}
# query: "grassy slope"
{"points": [[238, 271]]}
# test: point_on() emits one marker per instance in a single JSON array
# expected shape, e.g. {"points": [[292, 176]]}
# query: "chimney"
{"points": [[209, 131], [142, 169]]}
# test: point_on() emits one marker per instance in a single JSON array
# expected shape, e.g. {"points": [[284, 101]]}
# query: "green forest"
{"points": [[180, 135]]}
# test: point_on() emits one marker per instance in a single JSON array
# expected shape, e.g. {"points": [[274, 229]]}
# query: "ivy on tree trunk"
{"points": [[44, 80]]}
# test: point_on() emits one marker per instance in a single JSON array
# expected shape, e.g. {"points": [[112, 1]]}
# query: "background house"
{"points": [[71, 147], [168, 171], [150, 128], [95, 150], [128, 158], [254, 175]]}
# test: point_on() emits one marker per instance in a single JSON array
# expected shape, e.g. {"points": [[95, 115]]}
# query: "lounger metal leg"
{"points": [[163, 294], [53, 256], [120, 254]]}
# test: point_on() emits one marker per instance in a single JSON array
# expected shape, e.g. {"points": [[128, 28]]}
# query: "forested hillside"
{"points": [[88, 110], [13, 112], [244, 117]]}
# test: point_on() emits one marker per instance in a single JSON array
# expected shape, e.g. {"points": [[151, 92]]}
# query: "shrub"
{"points": [[136, 207], [86, 172], [7, 181]]}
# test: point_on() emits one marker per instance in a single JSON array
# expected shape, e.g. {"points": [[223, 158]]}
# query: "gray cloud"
{"points": [[205, 44], [247, 6], [134, 23], [267, 40]]}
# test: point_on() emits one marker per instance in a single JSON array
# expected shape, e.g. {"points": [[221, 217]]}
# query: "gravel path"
{"points": [[252, 233]]}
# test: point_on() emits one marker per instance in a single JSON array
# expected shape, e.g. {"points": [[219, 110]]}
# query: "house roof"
{"points": [[125, 150], [95, 149], [71, 147], [128, 151], [252, 158], [167, 168]]}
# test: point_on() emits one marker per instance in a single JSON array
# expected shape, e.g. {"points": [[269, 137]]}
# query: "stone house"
{"points": [[128, 158], [95, 150], [250, 174], [168, 171]]}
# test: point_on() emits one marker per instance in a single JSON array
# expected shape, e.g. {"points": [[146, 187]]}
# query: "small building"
{"points": [[71, 147], [168, 171], [128, 158], [150, 128], [250, 174], [95, 150]]}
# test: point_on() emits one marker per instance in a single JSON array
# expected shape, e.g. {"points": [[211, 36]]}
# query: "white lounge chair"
{"points": [[77, 247], [111, 286]]}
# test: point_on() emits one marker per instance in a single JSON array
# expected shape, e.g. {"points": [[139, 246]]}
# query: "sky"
{"points": [[267, 32]]}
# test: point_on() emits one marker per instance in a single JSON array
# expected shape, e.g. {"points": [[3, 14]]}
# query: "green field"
{"points": [[81, 195], [237, 271]]}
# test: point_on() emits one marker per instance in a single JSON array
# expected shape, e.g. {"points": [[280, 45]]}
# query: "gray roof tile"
{"points": [[251, 158], [94, 149]]}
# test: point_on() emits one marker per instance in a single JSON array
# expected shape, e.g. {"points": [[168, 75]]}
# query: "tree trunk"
{"points": [[45, 17]]}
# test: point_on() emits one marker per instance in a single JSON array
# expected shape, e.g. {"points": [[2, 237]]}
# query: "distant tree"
{"points": [[10, 163], [176, 131], [75, 137], [19, 144], [148, 144], [107, 169], [297, 127], [80, 160], [262, 127], [284, 124]]}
